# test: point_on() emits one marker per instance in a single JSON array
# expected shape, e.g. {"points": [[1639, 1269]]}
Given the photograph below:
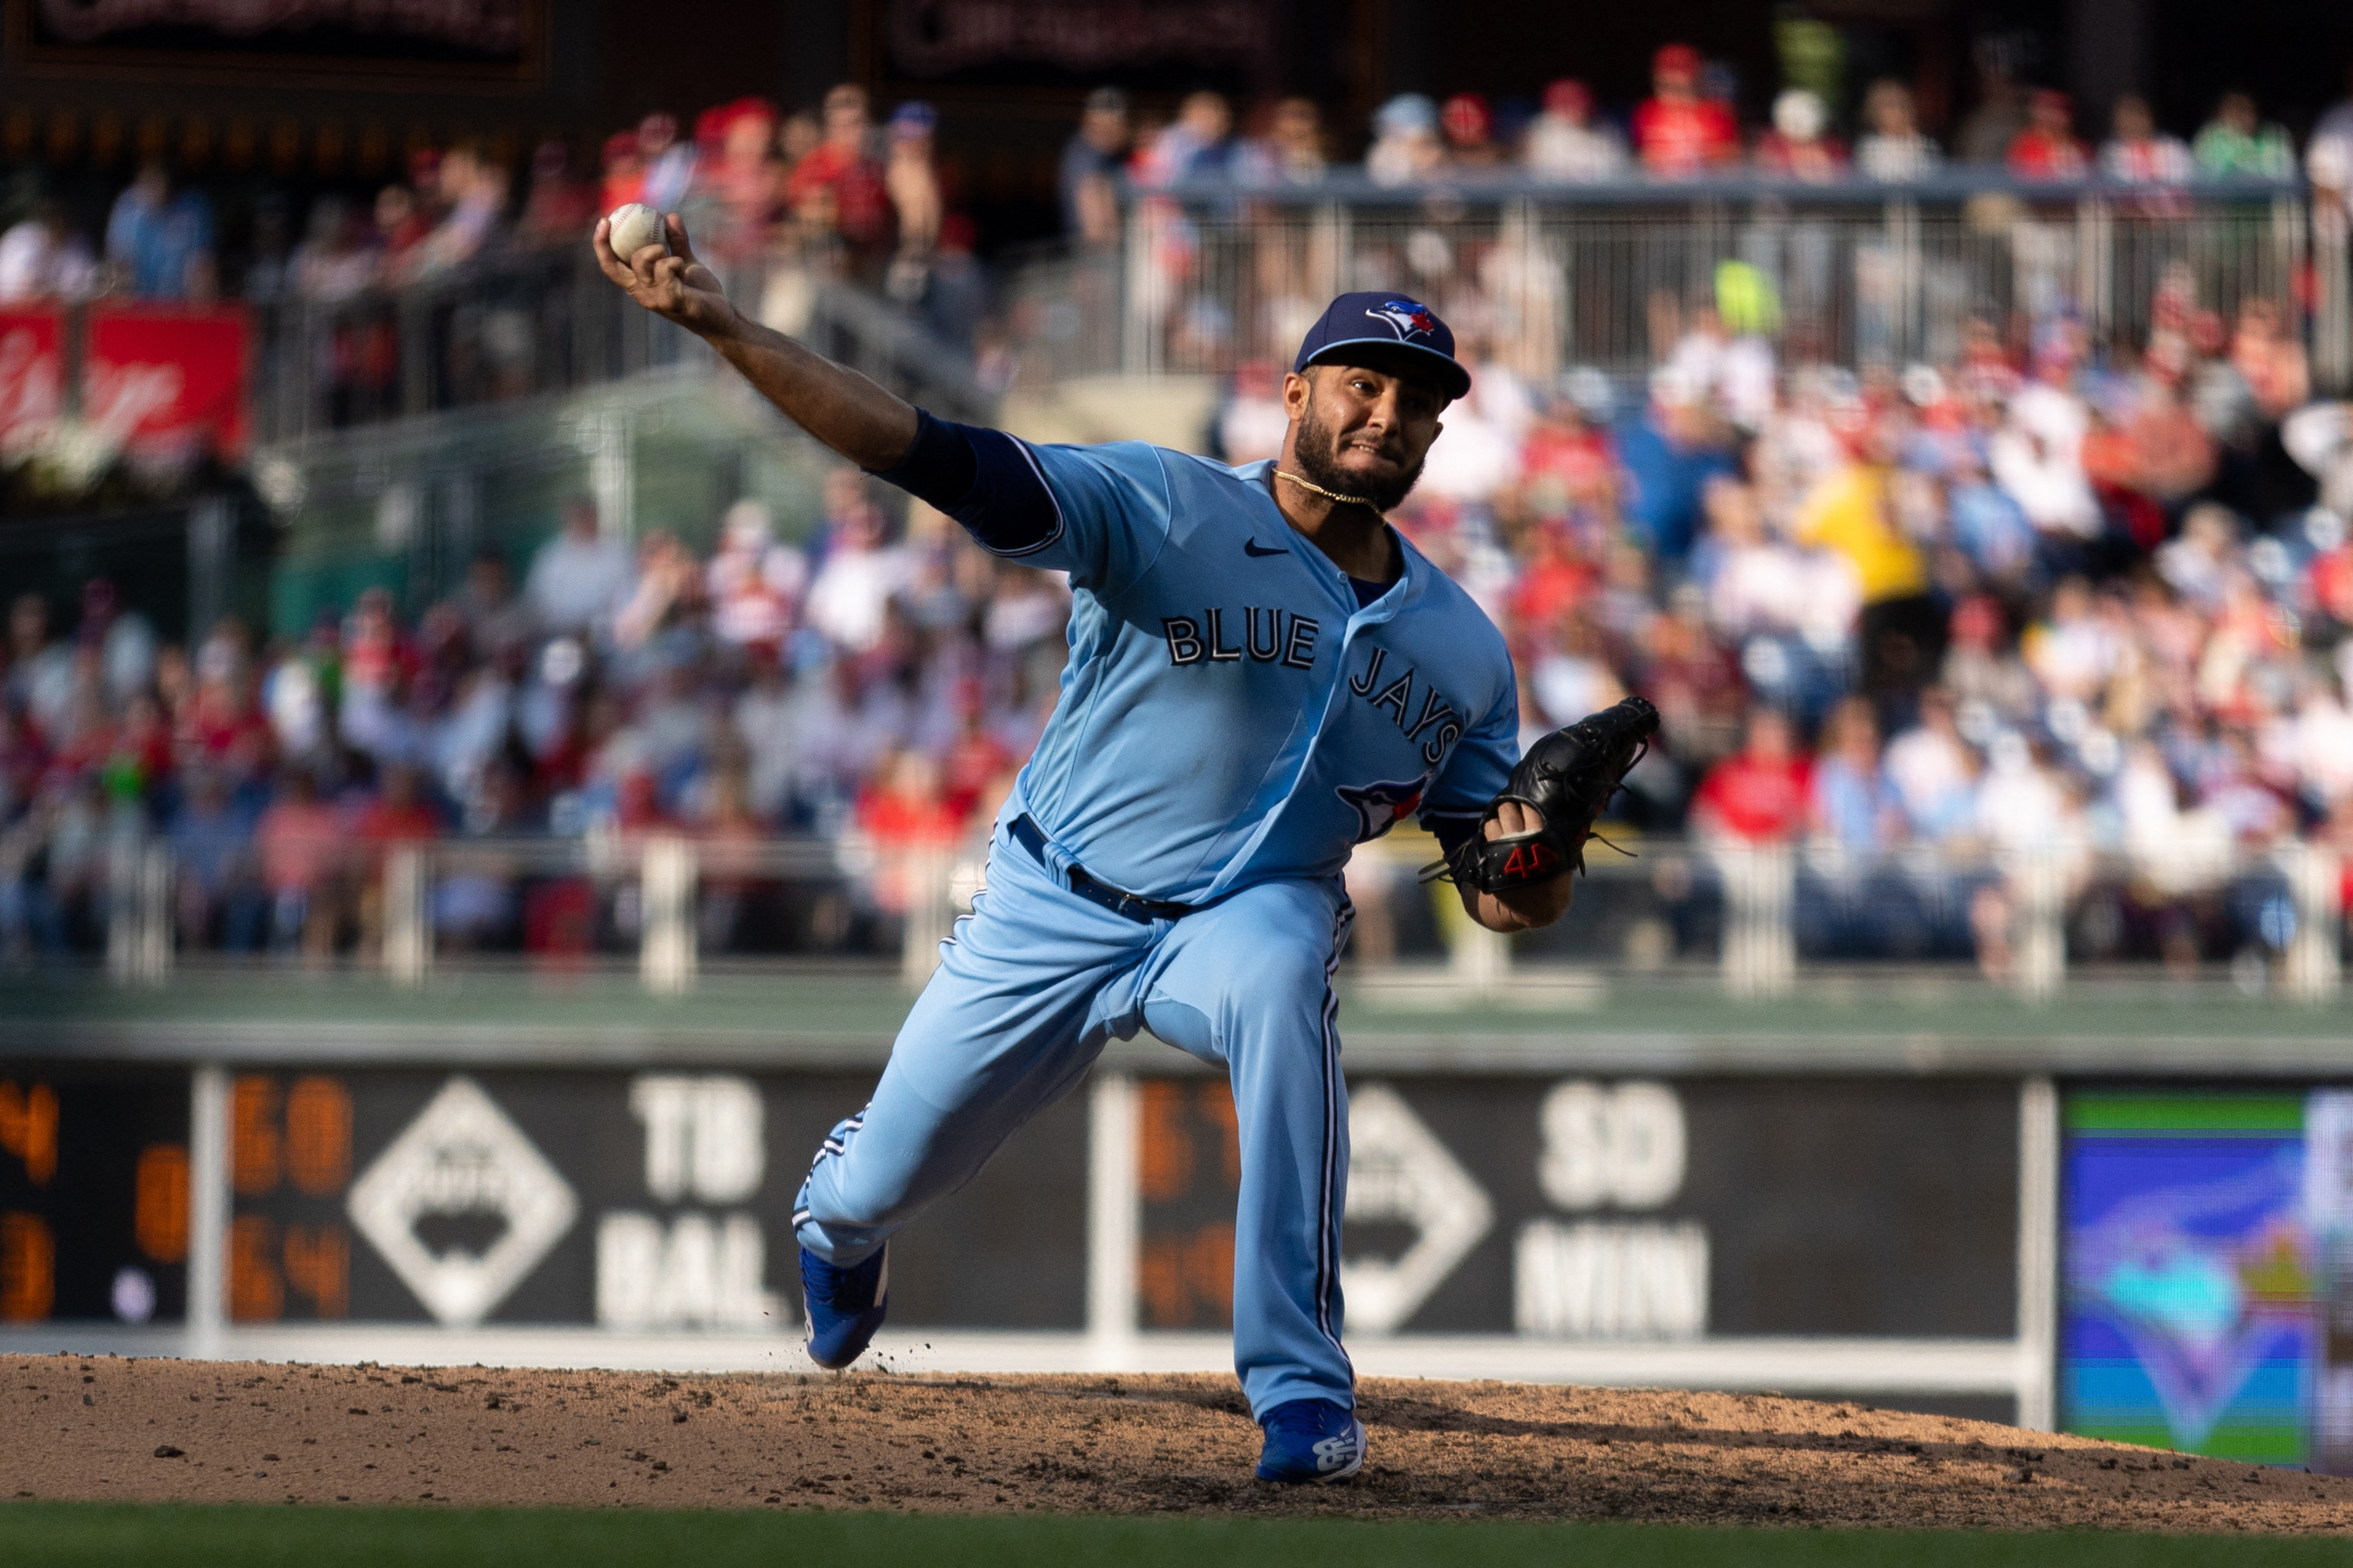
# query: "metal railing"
{"points": [[1766, 919], [530, 323], [1210, 276]]}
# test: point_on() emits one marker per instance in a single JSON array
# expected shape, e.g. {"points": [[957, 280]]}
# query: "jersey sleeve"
{"points": [[1475, 772], [1113, 511], [1100, 513]]}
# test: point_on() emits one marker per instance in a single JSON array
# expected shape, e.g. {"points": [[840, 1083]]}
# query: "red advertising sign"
{"points": [[32, 368], [167, 381]]}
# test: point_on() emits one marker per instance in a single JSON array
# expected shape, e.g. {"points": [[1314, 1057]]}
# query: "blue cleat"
{"points": [[845, 1306], [1311, 1440]]}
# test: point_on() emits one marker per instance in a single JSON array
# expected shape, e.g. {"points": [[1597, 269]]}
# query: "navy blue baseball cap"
{"points": [[1379, 330]]}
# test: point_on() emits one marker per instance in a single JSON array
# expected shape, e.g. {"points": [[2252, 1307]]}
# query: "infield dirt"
{"points": [[108, 1429]]}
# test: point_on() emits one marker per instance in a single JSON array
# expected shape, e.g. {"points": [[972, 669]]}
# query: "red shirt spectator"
{"points": [[301, 838], [844, 164], [1678, 133], [2329, 584], [1762, 792], [396, 816], [1575, 453], [1557, 579], [740, 168], [975, 761], [902, 808], [1469, 127], [625, 169], [2047, 148], [903, 813]]}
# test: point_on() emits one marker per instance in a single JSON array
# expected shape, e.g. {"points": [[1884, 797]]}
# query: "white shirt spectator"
{"points": [[755, 582], [2197, 565], [44, 684], [1566, 142], [2073, 654], [1252, 428], [1773, 588], [1471, 461], [1019, 616], [2319, 436], [463, 745], [1897, 158], [1569, 686], [40, 260], [1930, 770], [2038, 457], [2322, 743], [1405, 147], [577, 577], [1748, 381], [764, 722], [2157, 160], [297, 708], [2019, 806], [853, 588]]}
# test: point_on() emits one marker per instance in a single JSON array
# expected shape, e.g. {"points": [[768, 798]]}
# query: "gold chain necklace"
{"points": [[1311, 487]]}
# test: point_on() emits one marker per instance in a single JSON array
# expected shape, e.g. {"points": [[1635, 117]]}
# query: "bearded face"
{"points": [[1323, 442]]}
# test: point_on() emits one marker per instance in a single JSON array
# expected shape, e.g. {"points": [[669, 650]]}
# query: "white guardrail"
{"points": [[668, 902]]}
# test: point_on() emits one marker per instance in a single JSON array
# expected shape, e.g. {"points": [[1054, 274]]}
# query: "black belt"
{"points": [[1133, 906]]}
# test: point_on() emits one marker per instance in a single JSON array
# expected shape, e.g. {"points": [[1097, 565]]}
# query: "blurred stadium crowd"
{"points": [[2058, 598], [837, 185], [2045, 600]]}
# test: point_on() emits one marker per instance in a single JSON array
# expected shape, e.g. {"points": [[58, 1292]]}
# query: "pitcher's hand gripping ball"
{"points": [[1568, 777], [635, 226]]}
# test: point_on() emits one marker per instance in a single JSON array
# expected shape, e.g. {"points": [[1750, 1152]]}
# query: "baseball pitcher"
{"points": [[1262, 675]]}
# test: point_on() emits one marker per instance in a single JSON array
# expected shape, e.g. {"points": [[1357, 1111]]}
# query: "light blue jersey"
{"points": [[1229, 714], [1233, 720]]}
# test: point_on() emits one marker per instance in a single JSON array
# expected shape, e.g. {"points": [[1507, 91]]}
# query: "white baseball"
{"points": [[635, 226]]}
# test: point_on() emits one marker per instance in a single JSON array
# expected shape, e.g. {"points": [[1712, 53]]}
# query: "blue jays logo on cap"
{"points": [[1381, 806], [1410, 319], [1387, 323]]}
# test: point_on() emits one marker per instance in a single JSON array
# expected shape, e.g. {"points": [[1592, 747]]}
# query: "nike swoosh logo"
{"points": [[1251, 547]]}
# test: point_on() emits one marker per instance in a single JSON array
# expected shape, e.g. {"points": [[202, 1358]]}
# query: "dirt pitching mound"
{"points": [[103, 1428]]}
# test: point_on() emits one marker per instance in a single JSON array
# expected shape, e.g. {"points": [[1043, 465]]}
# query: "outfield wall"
{"points": [[2088, 1232]]}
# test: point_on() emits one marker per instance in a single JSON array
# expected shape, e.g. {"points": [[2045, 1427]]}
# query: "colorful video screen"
{"points": [[2207, 1257]]}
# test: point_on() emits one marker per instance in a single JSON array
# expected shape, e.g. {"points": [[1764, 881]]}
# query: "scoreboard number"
{"points": [[289, 1164], [94, 1194]]}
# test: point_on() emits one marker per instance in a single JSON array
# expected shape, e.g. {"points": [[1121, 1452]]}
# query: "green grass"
{"points": [[40, 1533]]}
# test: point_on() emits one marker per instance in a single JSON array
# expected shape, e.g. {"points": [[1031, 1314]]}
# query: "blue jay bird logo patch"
{"points": [[1381, 806], [1407, 318]]}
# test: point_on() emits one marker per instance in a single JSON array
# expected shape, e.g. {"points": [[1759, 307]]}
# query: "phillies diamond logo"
{"points": [[461, 1205]]}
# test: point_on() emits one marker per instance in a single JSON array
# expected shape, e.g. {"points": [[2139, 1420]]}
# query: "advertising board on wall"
{"points": [[2208, 1297], [646, 1202], [1551, 1208], [161, 386], [168, 381], [1642, 1209], [32, 368]]}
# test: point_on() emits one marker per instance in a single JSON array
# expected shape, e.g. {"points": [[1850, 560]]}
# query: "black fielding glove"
{"points": [[1568, 776]]}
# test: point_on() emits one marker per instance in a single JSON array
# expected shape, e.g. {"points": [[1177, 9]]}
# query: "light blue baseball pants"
{"points": [[1030, 988]]}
